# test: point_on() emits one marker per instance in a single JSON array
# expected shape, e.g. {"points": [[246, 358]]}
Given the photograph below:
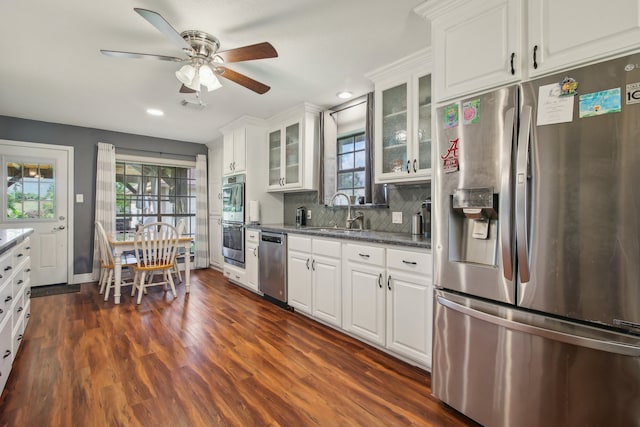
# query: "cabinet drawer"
{"points": [[5, 351], [330, 248], [253, 236], [365, 254], [298, 243], [410, 261]]}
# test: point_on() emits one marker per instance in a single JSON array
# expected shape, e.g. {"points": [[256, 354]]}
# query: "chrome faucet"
{"points": [[333, 199], [358, 217]]}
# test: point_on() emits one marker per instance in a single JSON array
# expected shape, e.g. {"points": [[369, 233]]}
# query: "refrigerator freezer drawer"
{"points": [[503, 367]]}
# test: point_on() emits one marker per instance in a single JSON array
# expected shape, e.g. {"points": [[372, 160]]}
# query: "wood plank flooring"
{"points": [[220, 356]]}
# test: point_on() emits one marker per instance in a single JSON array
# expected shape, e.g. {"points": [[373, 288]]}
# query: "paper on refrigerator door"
{"points": [[553, 108]]}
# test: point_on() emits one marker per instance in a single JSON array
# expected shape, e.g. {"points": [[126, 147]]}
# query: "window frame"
{"points": [[350, 191]]}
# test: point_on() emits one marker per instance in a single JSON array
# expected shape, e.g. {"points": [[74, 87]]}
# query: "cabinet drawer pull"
{"points": [[1, 311], [364, 255], [513, 70], [28, 315], [28, 248], [409, 262], [29, 292], [535, 57], [19, 310], [19, 255], [380, 280], [19, 337], [389, 282], [20, 282], [28, 270], [6, 354], [9, 298], [8, 268]]}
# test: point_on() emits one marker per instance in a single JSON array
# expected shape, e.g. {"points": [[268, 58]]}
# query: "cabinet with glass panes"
{"points": [[403, 111], [293, 144]]}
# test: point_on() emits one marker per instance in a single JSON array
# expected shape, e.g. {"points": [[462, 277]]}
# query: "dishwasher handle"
{"points": [[277, 239]]}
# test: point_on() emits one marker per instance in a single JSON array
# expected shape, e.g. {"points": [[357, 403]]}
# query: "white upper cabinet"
{"points": [[293, 149], [234, 152], [479, 45], [570, 32], [402, 139], [476, 45]]}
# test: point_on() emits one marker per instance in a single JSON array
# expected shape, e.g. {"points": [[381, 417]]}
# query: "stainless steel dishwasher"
{"points": [[272, 260]]}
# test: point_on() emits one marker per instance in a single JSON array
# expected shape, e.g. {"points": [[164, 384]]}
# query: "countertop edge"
{"points": [[366, 236], [10, 237]]}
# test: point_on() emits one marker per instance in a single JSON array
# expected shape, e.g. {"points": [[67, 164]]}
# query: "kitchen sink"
{"points": [[337, 230]]}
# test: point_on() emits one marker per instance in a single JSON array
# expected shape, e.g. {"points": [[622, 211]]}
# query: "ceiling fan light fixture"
{"points": [[194, 84], [208, 78], [186, 74]]}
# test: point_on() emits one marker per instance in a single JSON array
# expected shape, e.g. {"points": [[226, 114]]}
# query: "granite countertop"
{"points": [[9, 237], [368, 236]]}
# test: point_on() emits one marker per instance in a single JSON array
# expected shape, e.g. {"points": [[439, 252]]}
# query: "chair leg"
{"points": [[135, 283], [109, 284], [178, 273], [173, 288], [141, 286], [103, 276]]}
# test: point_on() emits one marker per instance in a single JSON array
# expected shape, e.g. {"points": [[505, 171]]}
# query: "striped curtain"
{"points": [[202, 240], [105, 196]]}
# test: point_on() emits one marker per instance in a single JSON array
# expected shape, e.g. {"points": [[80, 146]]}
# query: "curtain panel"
{"points": [[105, 196], [201, 234]]}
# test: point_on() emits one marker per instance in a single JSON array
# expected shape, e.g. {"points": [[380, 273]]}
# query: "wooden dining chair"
{"points": [[155, 246], [107, 264]]}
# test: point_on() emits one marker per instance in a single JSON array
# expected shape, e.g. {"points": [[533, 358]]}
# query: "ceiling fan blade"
{"points": [[184, 89], [243, 80], [133, 55], [164, 27], [247, 53]]}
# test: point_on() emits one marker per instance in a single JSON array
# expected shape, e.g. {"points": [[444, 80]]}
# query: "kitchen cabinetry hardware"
{"points": [[20, 282], [409, 262], [19, 310], [1, 311], [8, 298], [513, 70], [389, 282], [364, 255], [19, 337], [8, 268], [307, 263], [535, 59], [380, 280], [313, 265], [19, 255], [6, 354], [408, 166], [415, 165]]}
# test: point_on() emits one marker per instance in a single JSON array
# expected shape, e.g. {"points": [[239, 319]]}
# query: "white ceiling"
{"points": [[51, 68]]}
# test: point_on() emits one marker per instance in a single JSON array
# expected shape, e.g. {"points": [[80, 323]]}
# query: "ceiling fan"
{"points": [[203, 61]]}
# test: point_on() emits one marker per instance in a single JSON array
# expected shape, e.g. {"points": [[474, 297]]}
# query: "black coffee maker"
{"points": [[301, 216]]}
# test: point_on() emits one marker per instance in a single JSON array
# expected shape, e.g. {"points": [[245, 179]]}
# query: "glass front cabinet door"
{"points": [[284, 156], [402, 137]]}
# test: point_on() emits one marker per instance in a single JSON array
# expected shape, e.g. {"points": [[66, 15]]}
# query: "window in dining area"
{"points": [[148, 193]]}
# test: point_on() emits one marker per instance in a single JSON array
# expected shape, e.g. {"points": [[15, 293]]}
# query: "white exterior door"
{"points": [[36, 196]]}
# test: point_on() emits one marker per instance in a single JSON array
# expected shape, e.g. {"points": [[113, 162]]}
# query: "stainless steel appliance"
{"points": [[233, 207], [272, 261], [537, 249]]}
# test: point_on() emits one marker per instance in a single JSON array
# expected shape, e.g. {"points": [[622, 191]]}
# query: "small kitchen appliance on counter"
{"points": [[301, 216]]}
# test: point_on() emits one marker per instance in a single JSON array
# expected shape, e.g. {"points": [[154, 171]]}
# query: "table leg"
{"points": [[117, 268], [187, 267]]}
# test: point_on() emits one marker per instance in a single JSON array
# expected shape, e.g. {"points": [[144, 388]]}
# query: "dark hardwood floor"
{"points": [[219, 356]]}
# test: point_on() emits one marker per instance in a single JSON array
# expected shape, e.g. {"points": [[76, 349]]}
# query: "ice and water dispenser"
{"points": [[473, 226]]}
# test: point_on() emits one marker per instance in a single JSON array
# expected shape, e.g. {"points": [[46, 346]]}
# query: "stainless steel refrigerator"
{"points": [[537, 251]]}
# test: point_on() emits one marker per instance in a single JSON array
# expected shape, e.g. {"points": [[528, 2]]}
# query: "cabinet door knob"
{"points": [[513, 70], [535, 57]]}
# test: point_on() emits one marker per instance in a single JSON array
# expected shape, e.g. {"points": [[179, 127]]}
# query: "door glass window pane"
{"points": [[30, 191]]}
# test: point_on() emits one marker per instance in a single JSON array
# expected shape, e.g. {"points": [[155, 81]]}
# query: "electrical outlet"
{"points": [[396, 217], [309, 214]]}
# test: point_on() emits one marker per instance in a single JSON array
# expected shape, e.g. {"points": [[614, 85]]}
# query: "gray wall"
{"points": [[85, 143], [402, 198]]}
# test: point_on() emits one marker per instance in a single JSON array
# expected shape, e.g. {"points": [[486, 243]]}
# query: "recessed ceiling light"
{"points": [[155, 112], [345, 94]]}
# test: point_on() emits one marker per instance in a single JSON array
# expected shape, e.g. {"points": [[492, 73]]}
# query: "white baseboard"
{"points": [[83, 278]]}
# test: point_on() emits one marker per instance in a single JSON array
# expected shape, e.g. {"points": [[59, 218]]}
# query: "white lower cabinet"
{"points": [[314, 277], [15, 303], [387, 299], [252, 241]]}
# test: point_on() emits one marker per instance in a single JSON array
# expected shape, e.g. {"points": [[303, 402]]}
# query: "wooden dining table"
{"points": [[124, 242]]}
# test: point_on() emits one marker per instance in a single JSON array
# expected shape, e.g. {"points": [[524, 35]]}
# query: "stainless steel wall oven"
{"points": [[233, 219]]}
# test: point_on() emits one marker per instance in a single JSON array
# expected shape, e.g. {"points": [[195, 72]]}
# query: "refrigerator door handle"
{"points": [[522, 188], [595, 344], [505, 196]]}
